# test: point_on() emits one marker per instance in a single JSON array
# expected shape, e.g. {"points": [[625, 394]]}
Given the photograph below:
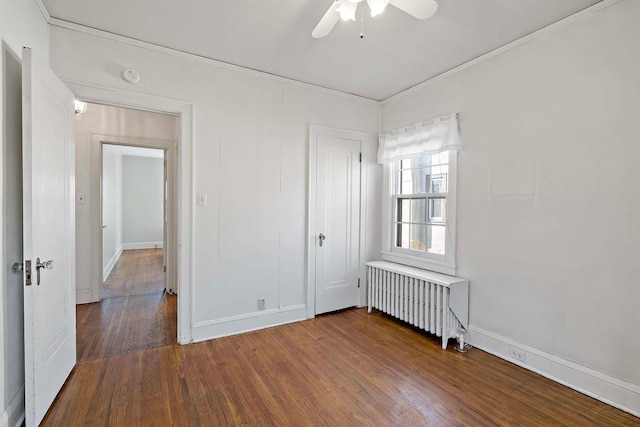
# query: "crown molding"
{"points": [[43, 10], [56, 22], [544, 31]]}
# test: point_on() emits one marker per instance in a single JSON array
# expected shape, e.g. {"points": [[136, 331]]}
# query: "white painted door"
{"points": [[49, 234], [337, 221]]}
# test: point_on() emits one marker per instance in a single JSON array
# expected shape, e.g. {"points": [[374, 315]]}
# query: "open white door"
{"points": [[48, 154], [337, 220]]}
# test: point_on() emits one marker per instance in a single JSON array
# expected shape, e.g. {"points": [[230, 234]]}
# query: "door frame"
{"points": [[314, 131], [169, 226], [184, 182]]}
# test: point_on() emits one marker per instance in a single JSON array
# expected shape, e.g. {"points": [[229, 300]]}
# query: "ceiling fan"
{"points": [[346, 10]]}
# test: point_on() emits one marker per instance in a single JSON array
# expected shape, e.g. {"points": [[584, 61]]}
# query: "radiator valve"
{"points": [[462, 346]]}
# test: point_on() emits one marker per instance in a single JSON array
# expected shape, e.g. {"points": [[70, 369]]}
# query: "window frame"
{"points": [[442, 263]]}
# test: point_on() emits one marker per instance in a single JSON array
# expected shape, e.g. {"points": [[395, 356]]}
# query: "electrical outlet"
{"points": [[262, 303], [518, 354]]}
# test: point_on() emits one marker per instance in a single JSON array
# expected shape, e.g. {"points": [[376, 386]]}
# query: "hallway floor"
{"points": [[138, 271], [135, 313]]}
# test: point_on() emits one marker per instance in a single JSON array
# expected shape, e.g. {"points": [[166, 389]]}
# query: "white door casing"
{"points": [[49, 234], [183, 188], [336, 218]]}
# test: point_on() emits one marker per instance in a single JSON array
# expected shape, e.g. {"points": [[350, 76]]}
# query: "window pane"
{"points": [[406, 182], [403, 210], [440, 158], [437, 210], [402, 236], [418, 210], [435, 238], [439, 178], [414, 181], [418, 237]]}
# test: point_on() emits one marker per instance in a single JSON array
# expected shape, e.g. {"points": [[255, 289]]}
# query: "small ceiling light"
{"points": [[81, 107]]}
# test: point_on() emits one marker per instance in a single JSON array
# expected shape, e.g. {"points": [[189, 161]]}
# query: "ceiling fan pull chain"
{"points": [[362, 21]]}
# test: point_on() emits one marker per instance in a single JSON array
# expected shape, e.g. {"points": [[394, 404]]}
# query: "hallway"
{"points": [[135, 313]]}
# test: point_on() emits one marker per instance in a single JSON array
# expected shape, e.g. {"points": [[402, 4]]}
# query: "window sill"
{"points": [[424, 263]]}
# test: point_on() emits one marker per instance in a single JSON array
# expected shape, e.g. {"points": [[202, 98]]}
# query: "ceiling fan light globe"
{"points": [[347, 11], [377, 6]]}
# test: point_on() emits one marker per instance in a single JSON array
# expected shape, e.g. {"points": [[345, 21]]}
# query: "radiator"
{"points": [[436, 303]]}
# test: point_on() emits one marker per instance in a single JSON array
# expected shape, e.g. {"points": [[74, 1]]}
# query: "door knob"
{"points": [[322, 238], [40, 265], [47, 264]]}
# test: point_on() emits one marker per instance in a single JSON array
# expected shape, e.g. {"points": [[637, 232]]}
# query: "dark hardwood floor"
{"points": [[123, 325], [137, 272], [343, 369]]}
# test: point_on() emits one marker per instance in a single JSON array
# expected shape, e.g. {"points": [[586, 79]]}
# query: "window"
{"points": [[421, 217]]}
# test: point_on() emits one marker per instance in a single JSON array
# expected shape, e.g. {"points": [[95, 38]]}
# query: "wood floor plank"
{"points": [[138, 271], [344, 369]]}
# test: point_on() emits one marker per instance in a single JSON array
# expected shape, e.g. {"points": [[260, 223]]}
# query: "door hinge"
{"points": [[358, 282], [165, 268], [360, 157]]}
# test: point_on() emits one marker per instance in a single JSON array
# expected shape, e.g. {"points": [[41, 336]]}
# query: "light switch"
{"points": [[80, 199], [201, 199]]}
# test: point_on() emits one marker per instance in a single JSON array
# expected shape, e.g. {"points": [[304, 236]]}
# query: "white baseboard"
{"points": [[84, 296], [142, 245], [13, 414], [112, 263], [203, 331], [610, 390]]}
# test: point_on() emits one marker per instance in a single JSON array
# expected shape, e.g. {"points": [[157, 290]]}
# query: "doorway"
{"points": [[134, 222], [126, 230]]}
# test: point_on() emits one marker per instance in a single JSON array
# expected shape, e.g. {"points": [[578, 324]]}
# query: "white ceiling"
{"points": [[274, 36]]}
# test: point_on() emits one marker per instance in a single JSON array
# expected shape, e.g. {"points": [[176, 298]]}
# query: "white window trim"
{"points": [[433, 262]]}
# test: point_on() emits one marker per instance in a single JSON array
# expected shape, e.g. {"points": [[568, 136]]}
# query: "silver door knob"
{"points": [[47, 264], [40, 265], [322, 238]]}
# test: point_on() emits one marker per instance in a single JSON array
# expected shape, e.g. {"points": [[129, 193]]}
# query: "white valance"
{"points": [[430, 137]]}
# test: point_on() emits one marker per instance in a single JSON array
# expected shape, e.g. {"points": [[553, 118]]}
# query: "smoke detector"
{"points": [[131, 76]]}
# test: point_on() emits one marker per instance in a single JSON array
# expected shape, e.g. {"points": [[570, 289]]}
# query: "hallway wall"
{"points": [[111, 207], [142, 202]]}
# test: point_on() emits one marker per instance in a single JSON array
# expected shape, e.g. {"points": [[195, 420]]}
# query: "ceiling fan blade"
{"points": [[328, 21], [421, 9]]}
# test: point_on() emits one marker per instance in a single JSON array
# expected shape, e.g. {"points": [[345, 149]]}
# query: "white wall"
{"points": [[112, 206], [250, 157], [557, 271], [112, 121], [142, 201], [21, 24]]}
